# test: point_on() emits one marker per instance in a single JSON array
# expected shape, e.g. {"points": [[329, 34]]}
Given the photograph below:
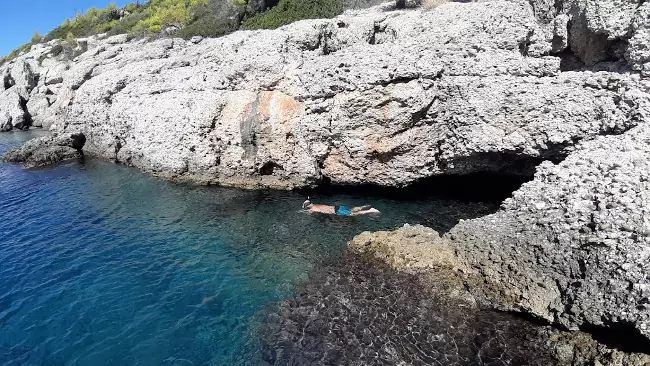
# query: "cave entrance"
{"points": [[476, 187]]}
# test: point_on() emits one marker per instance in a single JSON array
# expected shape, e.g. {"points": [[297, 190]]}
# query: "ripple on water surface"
{"points": [[100, 264]]}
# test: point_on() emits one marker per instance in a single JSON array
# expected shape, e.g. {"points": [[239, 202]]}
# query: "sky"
{"points": [[21, 18]]}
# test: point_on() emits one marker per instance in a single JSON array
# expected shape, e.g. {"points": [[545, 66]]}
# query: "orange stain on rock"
{"points": [[278, 106]]}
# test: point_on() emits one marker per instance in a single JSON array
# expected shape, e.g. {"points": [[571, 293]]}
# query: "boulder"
{"points": [[22, 75], [54, 74], [578, 235], [37, 105], [48, 150], [11, 106], [5, 122]]}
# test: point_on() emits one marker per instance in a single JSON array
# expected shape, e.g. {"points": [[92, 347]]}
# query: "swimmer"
{"points": [[339, 210]]}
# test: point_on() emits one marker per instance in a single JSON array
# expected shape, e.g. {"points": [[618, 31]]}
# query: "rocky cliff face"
{"points": [[571, 246], [376, 96], [389, 97], [577, 237]]}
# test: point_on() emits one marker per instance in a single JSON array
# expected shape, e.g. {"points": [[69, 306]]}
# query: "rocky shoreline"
{"points": [[558, 89], [360, 311], [570, 247]]}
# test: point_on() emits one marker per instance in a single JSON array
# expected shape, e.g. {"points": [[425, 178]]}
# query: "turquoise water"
{"points": [[103, 265]]}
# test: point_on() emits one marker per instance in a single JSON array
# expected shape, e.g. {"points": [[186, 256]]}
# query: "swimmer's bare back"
{"points": [[326, 209]]}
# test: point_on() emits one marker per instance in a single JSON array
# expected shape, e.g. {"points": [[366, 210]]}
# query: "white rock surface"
{"points": [[373, 96], [573, 246], [12, 114]]}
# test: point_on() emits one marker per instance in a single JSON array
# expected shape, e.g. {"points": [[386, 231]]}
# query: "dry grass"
{"points": [[432, 4]]}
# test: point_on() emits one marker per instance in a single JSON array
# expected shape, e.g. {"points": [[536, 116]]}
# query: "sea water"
{"points": [[103, 265]]}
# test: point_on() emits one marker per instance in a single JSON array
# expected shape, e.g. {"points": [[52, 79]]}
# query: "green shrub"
{"points": [[206, 27], [36, 38], [162, 13], [215, 18], [208, 18], [56, 50], [288, 11]]}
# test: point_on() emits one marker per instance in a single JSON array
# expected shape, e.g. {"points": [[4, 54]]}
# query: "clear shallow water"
{"points": [[100, 264]]}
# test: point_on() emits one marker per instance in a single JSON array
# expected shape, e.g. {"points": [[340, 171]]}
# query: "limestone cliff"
{"points": [[377, 96]]}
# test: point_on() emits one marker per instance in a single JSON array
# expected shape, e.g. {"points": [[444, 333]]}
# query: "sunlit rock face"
{"points": [[379, 96]]}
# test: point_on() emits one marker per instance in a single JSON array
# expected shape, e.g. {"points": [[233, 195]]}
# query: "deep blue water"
{"points": [[103, 265]]}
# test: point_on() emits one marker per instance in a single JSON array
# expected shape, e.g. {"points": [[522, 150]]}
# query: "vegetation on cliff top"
{"points": [[209, 18], [289, 11]]}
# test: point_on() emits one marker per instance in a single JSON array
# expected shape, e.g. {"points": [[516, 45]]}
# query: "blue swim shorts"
{"points": [[343, 210]]}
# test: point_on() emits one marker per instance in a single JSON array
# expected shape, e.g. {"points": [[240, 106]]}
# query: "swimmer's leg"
{"points": [[366, 212], [361, 208]]}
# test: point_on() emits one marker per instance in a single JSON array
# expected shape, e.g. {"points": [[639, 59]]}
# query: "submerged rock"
{"points": [[359, 312]]}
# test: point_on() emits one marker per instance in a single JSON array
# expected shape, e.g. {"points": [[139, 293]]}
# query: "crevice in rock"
{"points": [[504, 162], [27, 116], [569, 61], [380, 29], [8, 81], [118, 146], [118, 88], [590, 47], [621, 336], [398, 80], [524, 44], [322, 43], [418, 116]]}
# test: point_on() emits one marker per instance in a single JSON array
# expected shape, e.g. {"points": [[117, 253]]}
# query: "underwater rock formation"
{"points": [[360, 312]]}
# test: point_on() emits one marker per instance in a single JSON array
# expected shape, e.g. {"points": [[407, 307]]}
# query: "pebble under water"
{"points": [[103, 265]]}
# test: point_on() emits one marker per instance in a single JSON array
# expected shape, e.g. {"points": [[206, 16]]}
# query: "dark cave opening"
{"points": [[269, 167], [621, 336], [476, 187]]}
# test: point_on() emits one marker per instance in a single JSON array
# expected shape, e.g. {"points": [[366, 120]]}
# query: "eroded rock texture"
{"points": [[48, 150], [375, 96], [571, 247], [577, 236]]}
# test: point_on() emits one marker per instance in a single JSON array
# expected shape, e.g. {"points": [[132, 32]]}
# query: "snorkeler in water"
{"points": [[339, 210]]}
